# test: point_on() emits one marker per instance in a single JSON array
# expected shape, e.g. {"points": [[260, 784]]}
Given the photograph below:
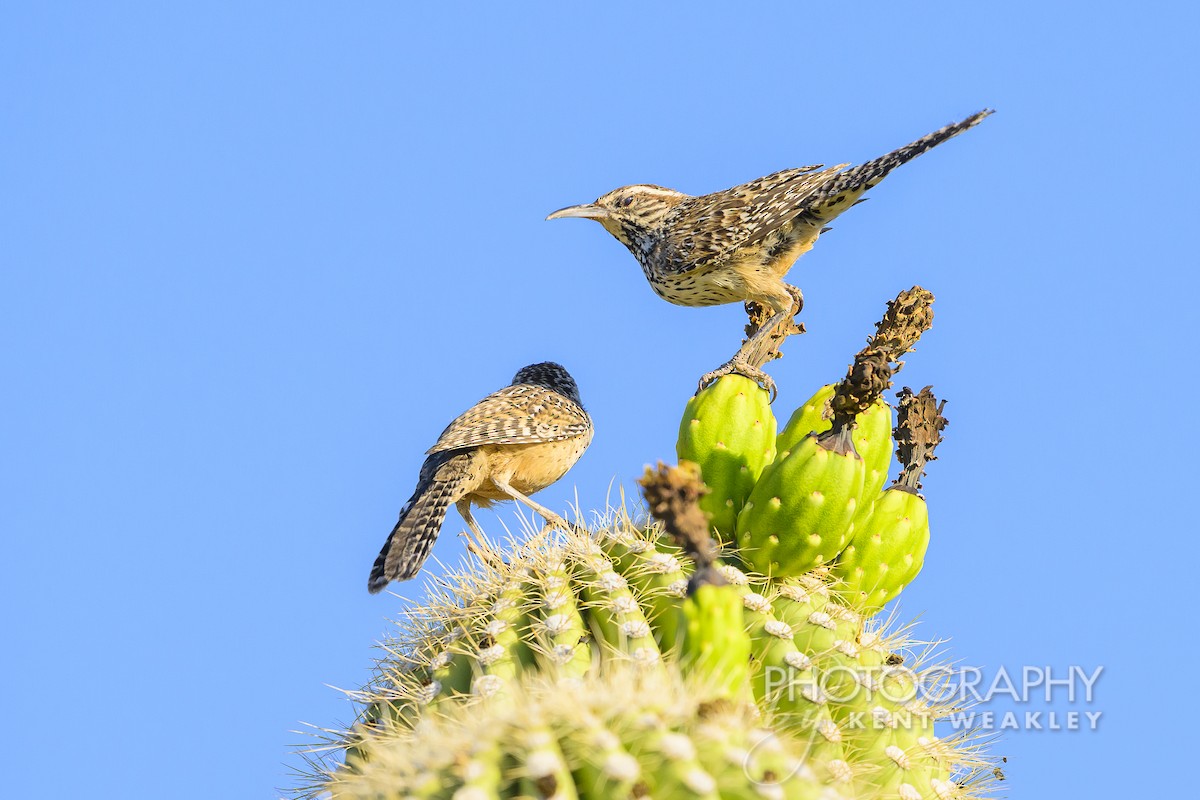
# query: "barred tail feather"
{"points": [[845, 190], [442, 483]]}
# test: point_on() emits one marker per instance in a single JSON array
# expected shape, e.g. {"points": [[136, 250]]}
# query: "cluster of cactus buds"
{"points": [[807, 498], [723, 648]]}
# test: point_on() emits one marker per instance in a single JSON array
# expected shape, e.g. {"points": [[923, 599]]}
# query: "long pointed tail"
{"points": [[844, 190], [442, 483]]}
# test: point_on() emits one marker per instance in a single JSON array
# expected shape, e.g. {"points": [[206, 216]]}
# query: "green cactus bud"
{"points": [[813, 416], [886, 552], [872, 436], [729, 431], [715, 645], [888, 548], [873, 441], [799, 514]]}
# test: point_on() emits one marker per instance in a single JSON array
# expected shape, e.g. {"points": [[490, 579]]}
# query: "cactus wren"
{"points": [[510, 444], [738, 244]]}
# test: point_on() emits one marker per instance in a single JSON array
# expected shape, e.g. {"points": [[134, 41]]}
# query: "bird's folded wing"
{"points": [[521, 414], [706, 231]]}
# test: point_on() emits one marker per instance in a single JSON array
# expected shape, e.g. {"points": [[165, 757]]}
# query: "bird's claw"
{"points": [[742, 367]]}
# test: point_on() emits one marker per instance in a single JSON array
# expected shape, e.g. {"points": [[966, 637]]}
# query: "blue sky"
{"points": [[256, 257]]}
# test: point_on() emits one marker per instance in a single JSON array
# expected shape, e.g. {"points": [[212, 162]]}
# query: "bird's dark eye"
{"points": [[627, 201]]}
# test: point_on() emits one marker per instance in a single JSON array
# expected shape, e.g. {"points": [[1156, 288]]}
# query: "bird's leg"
{"points": [[763, 344], [464, 511], [477, 541], [553, 519]]}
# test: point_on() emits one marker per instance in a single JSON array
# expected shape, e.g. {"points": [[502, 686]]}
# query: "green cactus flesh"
{"points": [[729, 431], [582, 668]]}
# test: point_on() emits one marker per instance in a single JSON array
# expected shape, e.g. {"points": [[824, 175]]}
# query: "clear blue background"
{"points": [[255, 258]]}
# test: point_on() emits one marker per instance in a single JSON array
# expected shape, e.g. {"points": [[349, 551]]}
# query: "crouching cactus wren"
{"points": [[738, 244], [510, 444]]}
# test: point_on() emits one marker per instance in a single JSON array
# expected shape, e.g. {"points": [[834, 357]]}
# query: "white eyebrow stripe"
{"points": [[655, 191]]}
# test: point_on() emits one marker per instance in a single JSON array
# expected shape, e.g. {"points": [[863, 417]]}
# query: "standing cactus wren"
{"points": [[738, 244], [510, 444]]}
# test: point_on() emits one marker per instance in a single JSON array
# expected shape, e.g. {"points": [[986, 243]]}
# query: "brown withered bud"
{"points": [[906, 318], [672, 495], [919, 426], [867, 379]]}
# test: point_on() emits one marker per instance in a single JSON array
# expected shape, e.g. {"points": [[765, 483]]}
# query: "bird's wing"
{"points": [[705, 231], [521, 414]]}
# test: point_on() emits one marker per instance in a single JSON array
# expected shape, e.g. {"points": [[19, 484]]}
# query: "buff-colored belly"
{"points": [[751, 275], [528, 468]]}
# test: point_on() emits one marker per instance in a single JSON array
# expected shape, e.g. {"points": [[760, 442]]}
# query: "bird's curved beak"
{"points": [[585, 211]]}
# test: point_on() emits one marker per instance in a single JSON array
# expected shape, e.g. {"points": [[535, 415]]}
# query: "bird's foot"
{"points": [[547, 533], [560, 524], [740, 366]]}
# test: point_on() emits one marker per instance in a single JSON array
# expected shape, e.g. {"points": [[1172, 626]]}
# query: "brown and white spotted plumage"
{"points": [[738, 244], [510, 444]]}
